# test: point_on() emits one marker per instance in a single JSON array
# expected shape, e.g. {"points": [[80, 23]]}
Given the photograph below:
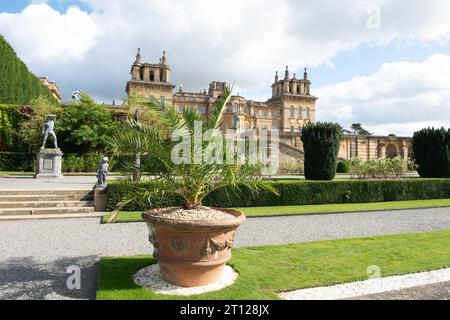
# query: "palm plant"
{"points": [[195, 178]]}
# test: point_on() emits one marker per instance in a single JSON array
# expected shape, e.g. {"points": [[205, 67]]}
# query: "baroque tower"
{"points": [[151, 81], [293, 97]]}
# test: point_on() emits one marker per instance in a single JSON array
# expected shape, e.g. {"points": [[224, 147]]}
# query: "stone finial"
{"points": [[305, 75], [164, 58], [138, 56], [286, 73], [276, 76], [181, 88], [294, 77]]}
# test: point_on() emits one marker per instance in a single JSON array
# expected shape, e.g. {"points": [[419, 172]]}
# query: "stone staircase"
{"points": [[291, 152], [18, 204]]}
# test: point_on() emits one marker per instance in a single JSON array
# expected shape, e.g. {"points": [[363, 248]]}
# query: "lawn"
{"points": [[314, 209], [265, 271]]}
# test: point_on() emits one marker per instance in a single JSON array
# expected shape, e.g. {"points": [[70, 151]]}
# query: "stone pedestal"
{"points": [[48, 163], [100, 199]]}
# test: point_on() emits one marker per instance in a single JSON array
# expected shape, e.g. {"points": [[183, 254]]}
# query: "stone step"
{"points": [[46, 192], [45, 204], [46, 211], [52, 216], [46, 197]]}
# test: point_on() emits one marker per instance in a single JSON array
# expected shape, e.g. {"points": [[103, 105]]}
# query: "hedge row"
{"points": [[301, 193]]}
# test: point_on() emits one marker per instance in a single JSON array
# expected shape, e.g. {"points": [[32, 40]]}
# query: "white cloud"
{"points": [[43, 35], [242, 41], [398, 98]]}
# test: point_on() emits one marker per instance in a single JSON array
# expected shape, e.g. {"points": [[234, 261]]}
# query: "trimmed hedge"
{"points": [[432, 152], [321, 143], [343, 166], [14, 161], [300, 193]]}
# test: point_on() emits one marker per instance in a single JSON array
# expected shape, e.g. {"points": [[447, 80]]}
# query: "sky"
{"points": [[385, 64]]}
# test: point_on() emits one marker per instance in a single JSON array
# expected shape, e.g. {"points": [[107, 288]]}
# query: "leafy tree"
{"points": [[432, 152], [17, 84], [359, 130], [10, 118], [30, 132], [321, 143], [84, 126]]}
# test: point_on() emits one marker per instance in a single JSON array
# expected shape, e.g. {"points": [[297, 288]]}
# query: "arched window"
{"points": [[152, 75], [307, 113], [300, 111], [292, 112]]}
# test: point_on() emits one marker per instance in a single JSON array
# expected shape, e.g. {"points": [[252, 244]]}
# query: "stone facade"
{"points": [[289, 108], [52, 87]]}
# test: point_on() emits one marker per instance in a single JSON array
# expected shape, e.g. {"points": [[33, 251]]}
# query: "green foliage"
{"points": [[359, 130], [30, 132], [378, 168], [10, 118], [17, 84], [321, 143], [291, 167], [294, 193], [432, 152], [343, 167], [84, 126], [14, 161]]}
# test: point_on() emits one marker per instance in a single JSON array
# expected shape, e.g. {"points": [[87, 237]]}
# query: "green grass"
{"points": [[314, 209], [265, 271]]}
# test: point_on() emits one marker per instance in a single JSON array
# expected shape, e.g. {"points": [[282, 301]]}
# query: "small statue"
{"points": [[235, 120], [102, 172], [76, 95], [49, 126]]}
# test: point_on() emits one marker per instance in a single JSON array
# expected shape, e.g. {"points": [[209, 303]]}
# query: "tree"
{"points": [[193, 179], [84, 126], [321, 143], [17, 84], [30, 132], [432, 152], [359, 130]]}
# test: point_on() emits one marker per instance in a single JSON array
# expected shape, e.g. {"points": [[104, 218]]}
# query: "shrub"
{"points": [[299, 193], [378, 169], [431, 152], [291, 167], [13, 161], [343, 167], [321, 146]]}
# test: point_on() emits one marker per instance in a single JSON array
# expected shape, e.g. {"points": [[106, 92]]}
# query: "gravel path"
{"points": [[372, 286], [35, 255]]}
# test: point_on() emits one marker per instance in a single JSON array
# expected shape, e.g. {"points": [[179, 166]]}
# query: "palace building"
{"points": [[290, 107]]}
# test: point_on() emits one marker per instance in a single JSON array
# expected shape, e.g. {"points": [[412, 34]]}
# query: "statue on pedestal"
{"points": [[235, 120], [102, 172], [47, 130]]}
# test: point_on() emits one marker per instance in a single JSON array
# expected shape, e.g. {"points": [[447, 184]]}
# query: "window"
{"points": [[235, 108], [162, 102], [292, 112], [307, 113], [203, 110], [152, 75], [180, 108], [247, 110], [265, 114], [274, 114], [292, 129], [300, 111]]}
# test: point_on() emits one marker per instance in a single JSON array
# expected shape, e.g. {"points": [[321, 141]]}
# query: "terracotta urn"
{"points": [[192, 253]]}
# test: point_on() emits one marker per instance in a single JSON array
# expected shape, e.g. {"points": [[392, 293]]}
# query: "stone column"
{"points": [[100, 199], [382, 151]]}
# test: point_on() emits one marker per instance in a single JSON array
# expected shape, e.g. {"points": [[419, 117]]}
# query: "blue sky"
{"points": [[90, 45]]}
